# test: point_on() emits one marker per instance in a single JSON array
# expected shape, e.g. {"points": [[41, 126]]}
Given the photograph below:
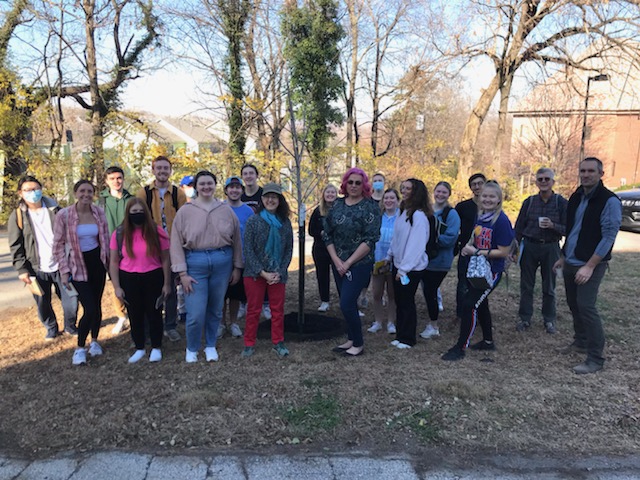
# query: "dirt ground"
{"points": [[521, 398]]}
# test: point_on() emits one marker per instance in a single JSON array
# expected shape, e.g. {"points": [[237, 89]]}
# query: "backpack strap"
{"points": [[19, 219], [445, 213], [174, 197], [149, 194], [119, 235]]}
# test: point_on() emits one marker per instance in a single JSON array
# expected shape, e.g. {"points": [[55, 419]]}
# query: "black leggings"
{"points": [[90, 296], [431, 282], [141, 290], [322, 261]]}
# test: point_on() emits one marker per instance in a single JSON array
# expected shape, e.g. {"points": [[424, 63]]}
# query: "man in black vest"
{"points": [[594, 215]]}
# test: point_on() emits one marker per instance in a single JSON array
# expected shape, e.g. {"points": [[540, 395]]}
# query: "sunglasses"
{"points": [[354, 182], [543, 179]]}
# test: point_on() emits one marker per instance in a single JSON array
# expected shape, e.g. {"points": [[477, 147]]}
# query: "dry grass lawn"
{"points": [[525, 398]]}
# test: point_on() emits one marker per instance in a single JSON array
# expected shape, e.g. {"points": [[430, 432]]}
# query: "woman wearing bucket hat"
{"points": [[268, 247]]}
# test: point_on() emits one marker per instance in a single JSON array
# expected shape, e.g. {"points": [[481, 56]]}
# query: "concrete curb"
{"points": [[110, 465]]}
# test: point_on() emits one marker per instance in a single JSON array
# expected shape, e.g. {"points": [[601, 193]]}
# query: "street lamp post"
{"points": [[597, 78]]}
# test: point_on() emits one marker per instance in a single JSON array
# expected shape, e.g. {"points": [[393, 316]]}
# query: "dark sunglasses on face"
{"points": [[544, 179], [354, 182]]}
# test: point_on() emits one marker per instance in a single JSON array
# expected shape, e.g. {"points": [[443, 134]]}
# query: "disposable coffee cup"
{"points": [[542, 220]]}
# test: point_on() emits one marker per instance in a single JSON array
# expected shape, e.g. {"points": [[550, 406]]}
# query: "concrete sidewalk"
{"points": [[138, 466]]}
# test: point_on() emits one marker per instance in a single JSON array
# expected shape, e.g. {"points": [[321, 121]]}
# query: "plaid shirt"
{"points": [[66, 247], [533, 207]]}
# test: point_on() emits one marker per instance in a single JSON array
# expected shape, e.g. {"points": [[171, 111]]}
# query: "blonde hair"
{"points": [[493, 185], [323, 206]]}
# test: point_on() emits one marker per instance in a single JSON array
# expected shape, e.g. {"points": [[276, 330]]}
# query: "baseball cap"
{"points": [[231, 180], [271, 188], [188, 180]]}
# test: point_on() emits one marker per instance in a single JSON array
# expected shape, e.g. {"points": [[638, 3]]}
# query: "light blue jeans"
{"points": [[212, 270]]}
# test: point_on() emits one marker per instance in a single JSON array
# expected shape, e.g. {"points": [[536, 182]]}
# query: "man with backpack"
{"points": [[113, 200], [164, 199], [540, 225], [31, 243]]}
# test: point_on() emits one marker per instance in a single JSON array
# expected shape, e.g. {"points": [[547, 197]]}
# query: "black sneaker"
{"points": [[522, 326], [453, 354], [483, 345]]}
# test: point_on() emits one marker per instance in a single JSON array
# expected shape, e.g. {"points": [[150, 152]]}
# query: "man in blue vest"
{"points": [[594, 215]]}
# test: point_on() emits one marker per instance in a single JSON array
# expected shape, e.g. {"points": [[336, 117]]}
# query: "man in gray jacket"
{"points": [[31, 244]]}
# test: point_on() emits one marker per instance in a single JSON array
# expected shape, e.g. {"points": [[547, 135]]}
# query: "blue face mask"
{"points": [[34, 196], [378, 185]]}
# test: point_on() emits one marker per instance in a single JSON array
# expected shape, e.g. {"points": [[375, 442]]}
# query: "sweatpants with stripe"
{"points": [[475, 310]]}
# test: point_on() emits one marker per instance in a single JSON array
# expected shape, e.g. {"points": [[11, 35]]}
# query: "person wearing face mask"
{"points": [[113, 200], [186, 184], [30, 229], [140, 273]]}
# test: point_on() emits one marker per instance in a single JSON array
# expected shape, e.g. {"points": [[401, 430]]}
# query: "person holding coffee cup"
{"points": [[540, 225]]}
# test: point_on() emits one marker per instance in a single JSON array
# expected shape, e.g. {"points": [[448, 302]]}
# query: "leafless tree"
{"points": [[516, 33]]}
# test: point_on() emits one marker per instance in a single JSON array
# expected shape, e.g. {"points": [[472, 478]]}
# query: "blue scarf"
{"points": [[273, 248]]}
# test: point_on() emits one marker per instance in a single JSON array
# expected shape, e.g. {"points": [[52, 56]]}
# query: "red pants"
{"points": [[255, 288]]}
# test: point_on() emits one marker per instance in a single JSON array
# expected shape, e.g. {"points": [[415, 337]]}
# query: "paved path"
{"points": [[358, 465]]}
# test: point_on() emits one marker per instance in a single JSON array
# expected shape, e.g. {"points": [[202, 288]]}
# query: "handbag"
{"points": [[479, 272]]}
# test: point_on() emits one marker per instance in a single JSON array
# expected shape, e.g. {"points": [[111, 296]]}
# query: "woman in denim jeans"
{"points": [[206, 252], [351, 230]]}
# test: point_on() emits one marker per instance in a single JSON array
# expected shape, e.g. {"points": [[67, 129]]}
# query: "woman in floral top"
{"points": [[351, 230]]}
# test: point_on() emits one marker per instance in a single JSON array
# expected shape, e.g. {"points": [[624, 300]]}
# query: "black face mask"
{"points": [[137, 218]]}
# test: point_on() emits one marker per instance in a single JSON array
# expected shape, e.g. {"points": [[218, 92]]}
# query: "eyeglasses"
{"points": [[354, 182], [27, 190], [477, 184], [543, 179]]}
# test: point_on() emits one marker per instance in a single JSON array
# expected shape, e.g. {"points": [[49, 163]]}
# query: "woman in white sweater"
{"points": [[407, 252]]}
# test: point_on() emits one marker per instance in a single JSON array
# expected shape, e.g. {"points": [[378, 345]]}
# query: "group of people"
{"points": [[168, 242], [370, 234], [164, 240]]}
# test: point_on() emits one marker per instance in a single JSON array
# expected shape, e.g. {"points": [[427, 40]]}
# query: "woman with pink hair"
{"points": [[351, 230]]}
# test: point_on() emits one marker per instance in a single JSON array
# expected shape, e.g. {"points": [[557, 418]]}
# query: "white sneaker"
{"points": [[324, 306], [79, 357], [391, 328], [191, 357], [155, 355], [119, 326], [137, 356], [402, 346], [430, 332], [95, 349], [212, 354], [266, 311], [242, 311], [395, 343], [360, 313], [375, 327], [235, 330], [221, 330]]}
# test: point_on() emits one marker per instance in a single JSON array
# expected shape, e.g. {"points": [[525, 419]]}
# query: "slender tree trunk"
{"points": [[96, 161], [505, 93], [472, 128]]}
